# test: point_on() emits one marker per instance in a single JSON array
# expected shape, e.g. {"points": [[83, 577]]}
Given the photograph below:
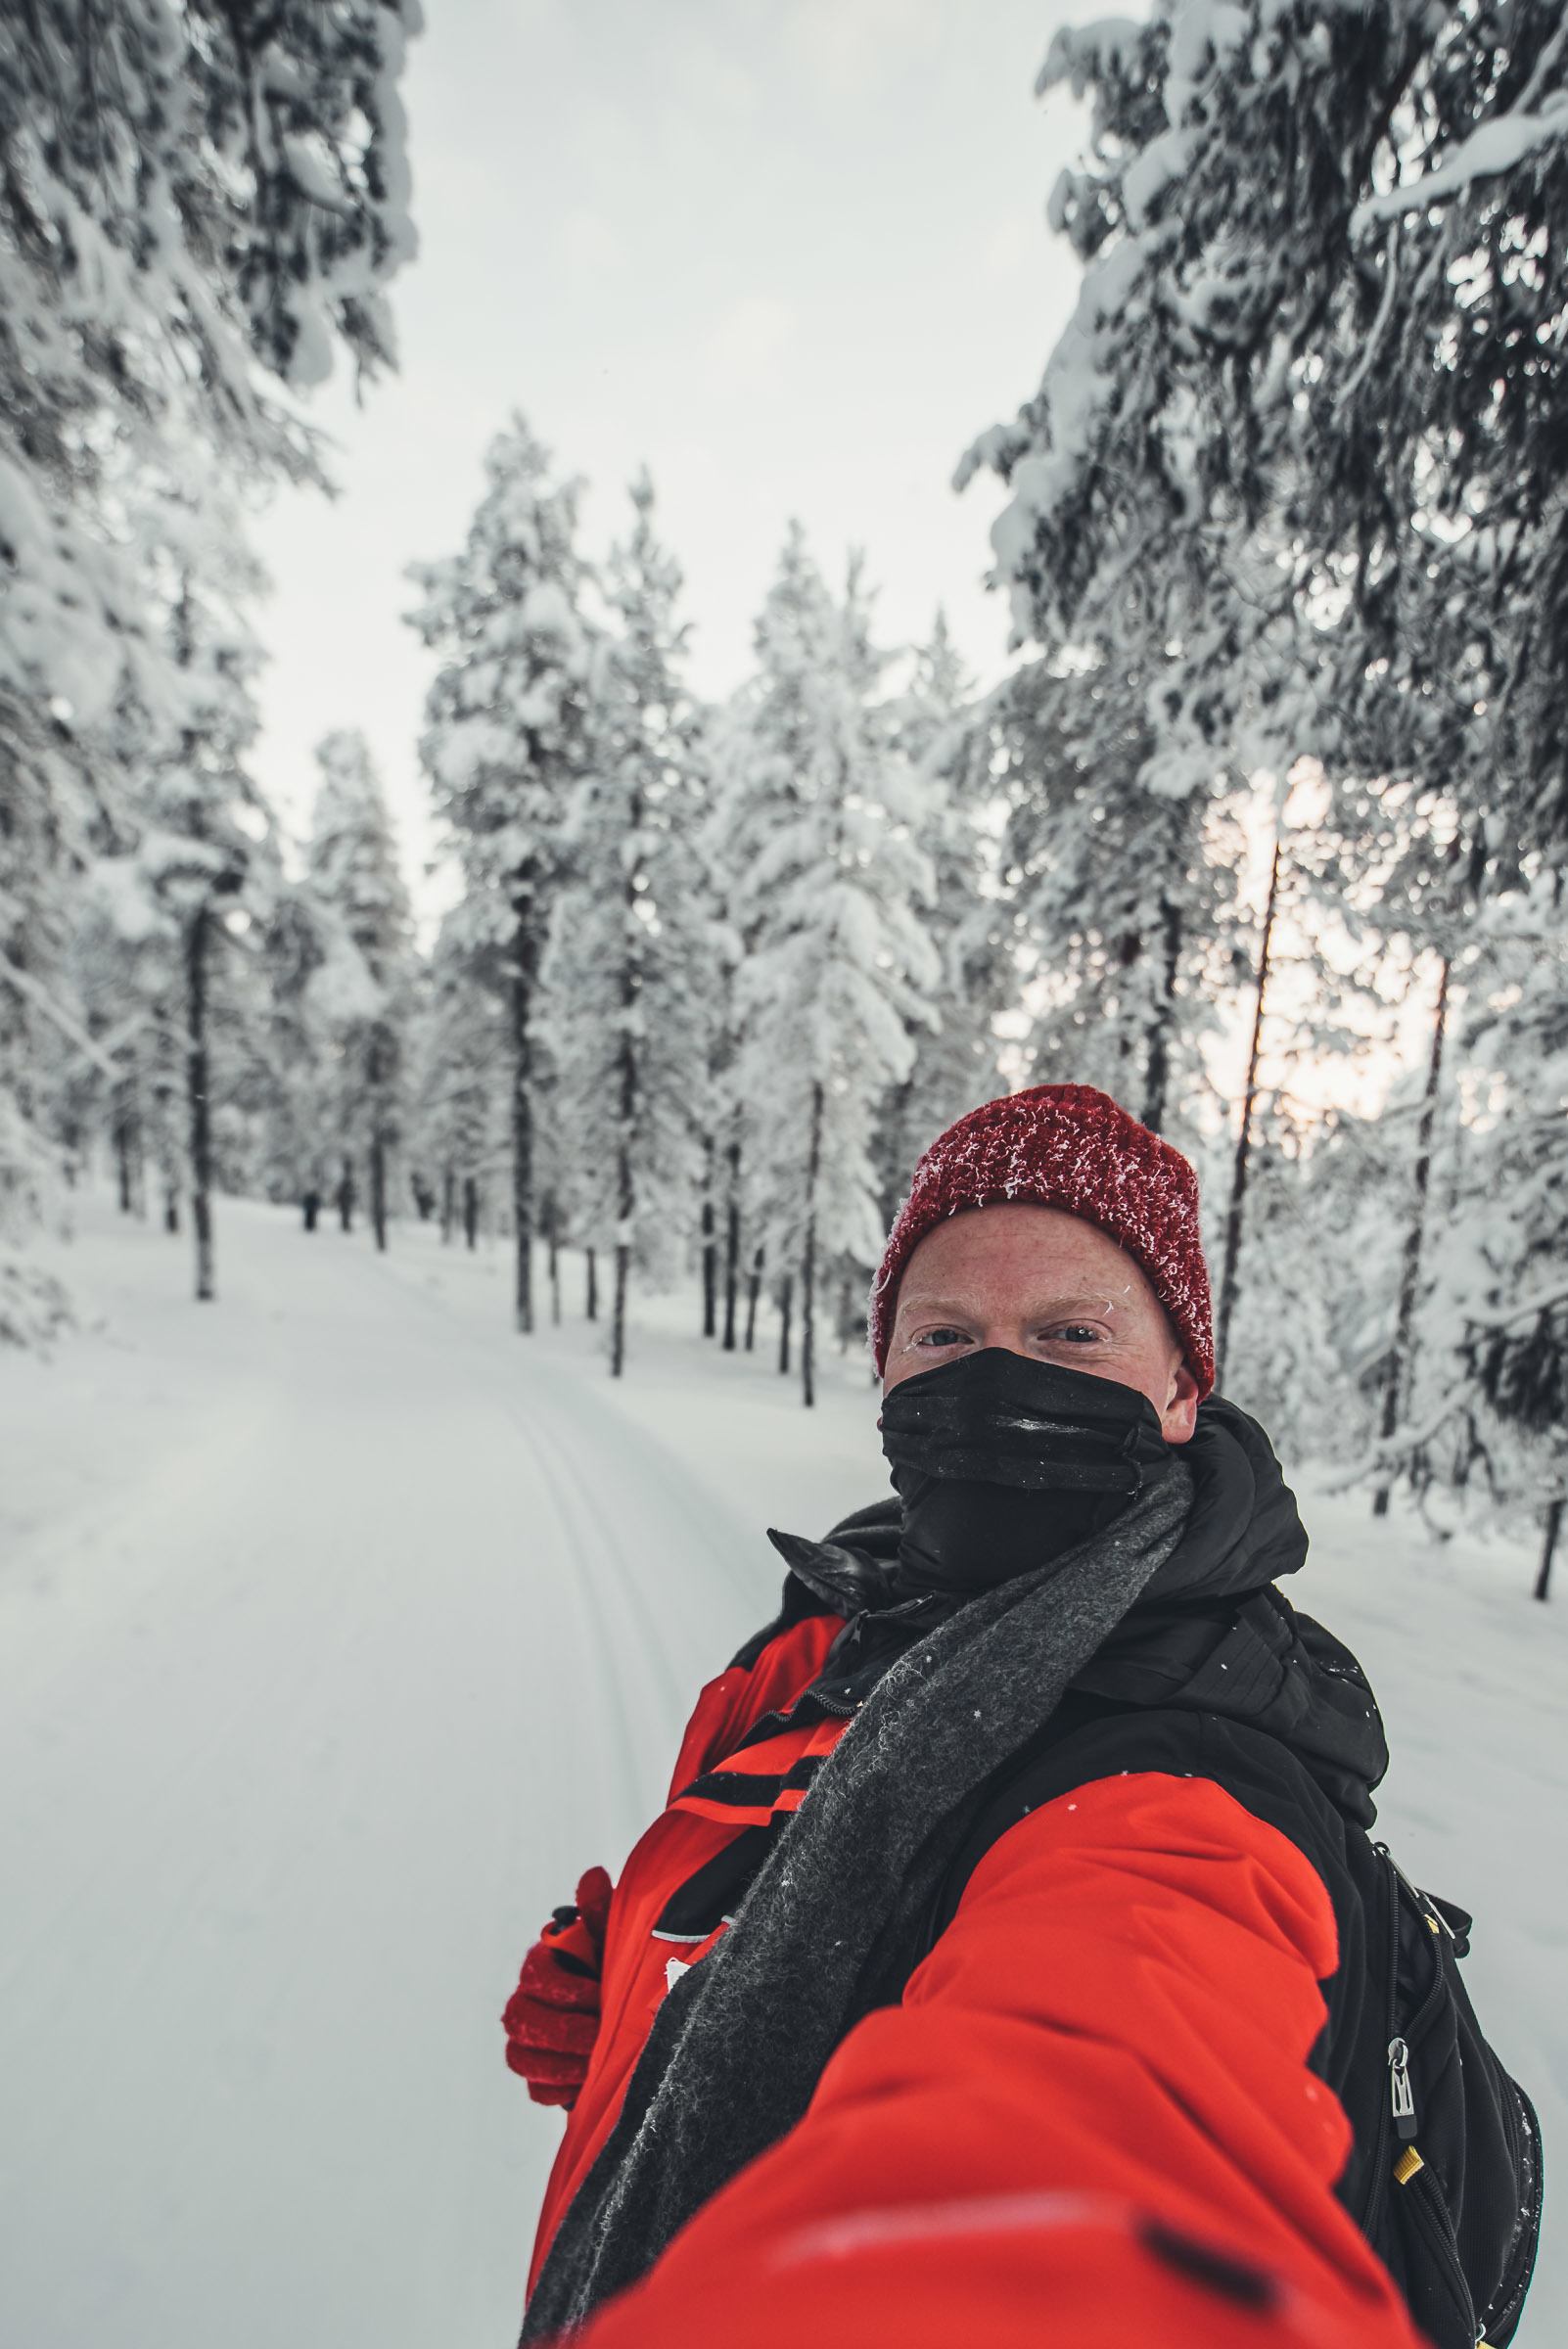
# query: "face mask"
{"points": [[1003, 1463]]}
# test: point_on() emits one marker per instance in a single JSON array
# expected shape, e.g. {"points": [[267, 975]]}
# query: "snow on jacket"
{"points": [[1110, 2099]]}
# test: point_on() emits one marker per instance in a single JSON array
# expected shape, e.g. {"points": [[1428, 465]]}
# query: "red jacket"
{"points": [[1091, 2119]]}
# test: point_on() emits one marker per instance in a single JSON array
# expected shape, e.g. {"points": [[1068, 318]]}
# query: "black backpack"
{"points": [[1450, 2186], [1445, 2177]]}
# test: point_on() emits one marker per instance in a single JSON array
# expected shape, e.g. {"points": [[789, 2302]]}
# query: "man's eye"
{"points": [[1076, 1333], [940, 1337]]}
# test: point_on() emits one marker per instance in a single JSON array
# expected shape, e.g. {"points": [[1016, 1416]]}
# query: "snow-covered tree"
{"points": [[505, 742], [942, 729], [1491, 1400], [1121, 889], [196, 204], [630, 974], [820, 824], [192, 869], [362, 996], [458, 1077]]}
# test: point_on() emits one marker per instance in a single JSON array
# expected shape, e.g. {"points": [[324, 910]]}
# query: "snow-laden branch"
{"points": [[98, 1051], [1495, 147]]}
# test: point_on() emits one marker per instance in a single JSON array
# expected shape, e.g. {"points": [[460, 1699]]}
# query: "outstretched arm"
{"points": [[1091, 2120]]}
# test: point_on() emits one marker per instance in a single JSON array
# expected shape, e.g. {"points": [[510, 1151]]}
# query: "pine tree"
{"points": [[633, 962], [351, 861], [821, 831], [505, 742]]}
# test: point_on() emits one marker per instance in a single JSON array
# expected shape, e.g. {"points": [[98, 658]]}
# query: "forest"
{"points": [[1263, 829]]}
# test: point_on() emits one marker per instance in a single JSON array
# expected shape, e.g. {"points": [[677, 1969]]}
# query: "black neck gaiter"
{"points": [[1003, 1463]]}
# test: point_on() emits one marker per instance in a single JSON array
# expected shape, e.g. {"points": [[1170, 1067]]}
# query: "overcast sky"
{"points": [[790, 253]]}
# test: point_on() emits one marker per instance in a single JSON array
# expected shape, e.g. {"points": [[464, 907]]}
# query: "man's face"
{"points": [[1044, 1283]]}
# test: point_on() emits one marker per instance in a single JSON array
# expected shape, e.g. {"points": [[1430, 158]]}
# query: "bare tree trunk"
{"points": [[786, 1302], [1548, 1546], [195, 1087], [345, 1195], [378, 1146], [469, 1210], [1157, 1074], [1235, 1213], [551, 1219], [127, 1152], [590, 1303], [814, 1165], [845, 1314], [754, 1290], [731, 1243], [625, 1179], [710, 1250], [172, 1208], [448, 1205], [524, 972], [1401, 1360]]}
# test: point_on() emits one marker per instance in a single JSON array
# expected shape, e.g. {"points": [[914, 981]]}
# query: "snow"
{"points": [[341, 1628]]}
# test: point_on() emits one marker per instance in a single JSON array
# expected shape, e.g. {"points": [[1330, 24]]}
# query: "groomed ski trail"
{"points": [[309, 1713]]}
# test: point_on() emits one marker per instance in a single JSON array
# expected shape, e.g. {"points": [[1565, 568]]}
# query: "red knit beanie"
{"points": [[1066, 1146]]}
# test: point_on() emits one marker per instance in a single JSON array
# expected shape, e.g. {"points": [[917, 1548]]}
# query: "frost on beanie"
{"points": [[1070, 1147]]}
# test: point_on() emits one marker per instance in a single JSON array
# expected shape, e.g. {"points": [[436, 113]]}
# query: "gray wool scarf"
{"points": [[832, 1925]]}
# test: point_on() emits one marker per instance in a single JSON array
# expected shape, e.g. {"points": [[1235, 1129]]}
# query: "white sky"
{"points": [[792, 253]]}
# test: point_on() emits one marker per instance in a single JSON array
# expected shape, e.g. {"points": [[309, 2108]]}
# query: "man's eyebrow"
{"points": [[924, 1300]]}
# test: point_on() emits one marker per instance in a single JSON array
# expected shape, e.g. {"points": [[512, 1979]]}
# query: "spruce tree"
{"points": [[505, 742], [823, 830], [632, 963]]}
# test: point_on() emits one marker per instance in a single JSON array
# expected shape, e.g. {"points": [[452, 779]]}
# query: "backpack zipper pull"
{"points": [[1398, 2081]]}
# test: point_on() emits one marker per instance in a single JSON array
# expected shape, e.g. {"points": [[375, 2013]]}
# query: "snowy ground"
{"points": [[338, 1630]]}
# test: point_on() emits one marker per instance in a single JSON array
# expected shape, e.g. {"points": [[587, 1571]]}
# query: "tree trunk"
{"points": [[345, 1195], [376, 1072], [754, 1290], [591, 1260], [814, 1165], [524, 973], [710, 1250], [171, 1209], [625, 1179], [469, 1210], [786, 1301], [551, 1219], [845, 1314], [1157, 1071], [1235, 1211], [125, 1152], [196, 1088], [1401, 1360], [1548, 1544], [731, 1244], [448, 1205]]}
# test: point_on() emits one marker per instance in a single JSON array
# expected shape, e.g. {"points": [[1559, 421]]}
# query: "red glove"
{"points": [[552, 2017]]}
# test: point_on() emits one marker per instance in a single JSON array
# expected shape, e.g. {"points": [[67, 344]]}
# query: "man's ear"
{"points": [[1180, 1418]]}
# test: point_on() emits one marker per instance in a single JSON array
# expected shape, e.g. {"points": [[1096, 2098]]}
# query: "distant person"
{"points": [[1012, 1964], [312, 1204], [343, 1197]]}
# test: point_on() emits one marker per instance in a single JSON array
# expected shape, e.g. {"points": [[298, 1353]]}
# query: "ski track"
{"points": [[310, 1712]]}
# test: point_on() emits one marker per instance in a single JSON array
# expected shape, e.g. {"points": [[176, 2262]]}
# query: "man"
{"points": [[990, 1976]]}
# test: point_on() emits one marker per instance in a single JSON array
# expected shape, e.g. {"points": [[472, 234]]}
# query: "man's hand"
{"points": [[552, 2017]]}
